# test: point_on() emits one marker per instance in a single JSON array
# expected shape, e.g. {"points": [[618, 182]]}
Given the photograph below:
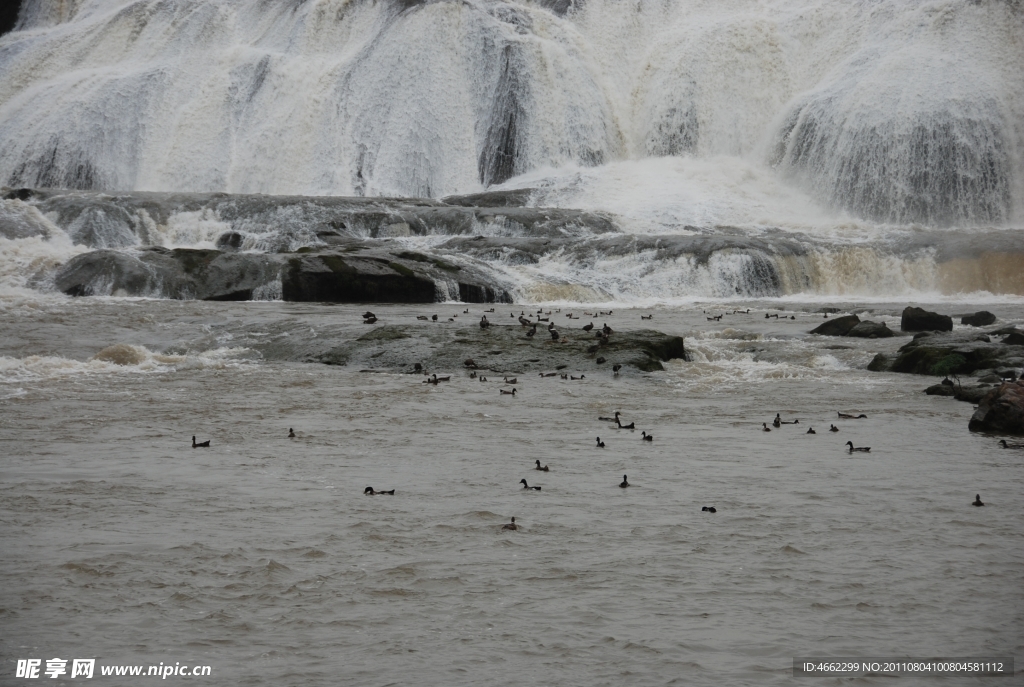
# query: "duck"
{"points": [[532, 331], [600, 444], [514, 380], [491, 310], [631, 425], [709, 509], [616, 367], [542, 469], [646, 437], [527, 486], [370, 492], [777, 422], [482, 378], [647, 317], [525, 322], [507, 393], [555, 336], [434, 317], [367, 315], [369, 320], [833, 428], [606, 330], [862, 449], [422, 317], [291, 433], [577, 378], [466, 311], [547, 374], [484, 324], [977, 500], [606, 419], [811, 431], [624, 483], [588, 327], [1004, 444], [201, 444], [845, 416], [510, 525], [764, 426]]}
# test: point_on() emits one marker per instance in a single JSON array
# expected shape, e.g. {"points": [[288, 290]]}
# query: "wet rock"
{"points": [[971, 394], [919, 319], [940, 390], [827, 311], [372, 274], [500, 349], [870, 330], [982, 318], [181, 273], [1001, 410], [839, 326], [229, 240]]}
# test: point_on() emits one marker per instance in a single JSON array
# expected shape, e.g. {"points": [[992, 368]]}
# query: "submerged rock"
{"points": [[839, 326], [920, 320], [1001, 410], [982, 318]]}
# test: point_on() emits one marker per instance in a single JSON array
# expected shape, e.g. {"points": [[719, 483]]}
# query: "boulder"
{"points": [[1014, 339], [982, 318], [1001, 410], [940, 390], [920, 320], [870, 330], [839, 326]]}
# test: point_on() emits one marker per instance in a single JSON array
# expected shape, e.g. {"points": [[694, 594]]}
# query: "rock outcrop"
{"points": [[354, 272], [921, 320], [942, 354], [501, 349], [1001, 410]]}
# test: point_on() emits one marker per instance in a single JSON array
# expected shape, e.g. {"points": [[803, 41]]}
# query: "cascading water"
{"points": [[825, 139]]}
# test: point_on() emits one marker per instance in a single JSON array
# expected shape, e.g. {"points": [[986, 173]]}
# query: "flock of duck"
{"points": [[602, 334]]}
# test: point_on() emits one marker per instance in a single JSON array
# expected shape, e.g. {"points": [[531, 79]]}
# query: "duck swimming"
{"points": [[484, 324], [616, 367], [588, 327], [527, 486], [434, 317], [201, 444], [1002, 442], [600, 444], [542, 469], [777, 422], [624, 483], [511, 525], [709, 509], [846, 416], [833, 428], [646, 437], [862, 449], [811, 431], [370, 492], [977, 500], [508, 393], [764, 425], [631, 425], [367, 315], [511, 381], [291, 433]]}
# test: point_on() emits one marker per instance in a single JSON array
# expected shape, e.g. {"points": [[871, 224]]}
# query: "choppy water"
{"points": [[261, 557]]}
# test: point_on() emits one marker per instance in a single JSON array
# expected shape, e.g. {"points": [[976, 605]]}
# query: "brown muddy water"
{"points": [[261, 557]]}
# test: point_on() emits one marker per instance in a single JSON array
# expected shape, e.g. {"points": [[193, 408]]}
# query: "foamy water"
{"points": [[261, 557]]}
